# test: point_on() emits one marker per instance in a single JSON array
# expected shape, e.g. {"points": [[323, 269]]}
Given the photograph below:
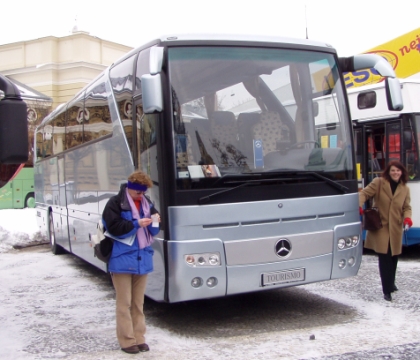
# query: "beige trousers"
{"points": [[131, 325]]}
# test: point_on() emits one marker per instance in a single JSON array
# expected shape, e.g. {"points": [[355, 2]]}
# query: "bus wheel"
{"points": [[30, 200], [55, 248]]}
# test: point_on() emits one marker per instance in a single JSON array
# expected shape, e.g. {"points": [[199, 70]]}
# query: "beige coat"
{"points": [[393, 209]]}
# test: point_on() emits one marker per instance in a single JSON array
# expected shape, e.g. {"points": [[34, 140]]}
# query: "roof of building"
{"points": [[27, 92]]}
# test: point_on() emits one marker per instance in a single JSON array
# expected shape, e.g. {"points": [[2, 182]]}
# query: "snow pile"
{"points": [[18, 228]]}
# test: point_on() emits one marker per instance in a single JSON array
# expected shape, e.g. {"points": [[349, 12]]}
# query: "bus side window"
{"points": [[122, 85], [145, 124], [39, 144], [97, 122], [48, 132], [59, 133], [74, 126]]}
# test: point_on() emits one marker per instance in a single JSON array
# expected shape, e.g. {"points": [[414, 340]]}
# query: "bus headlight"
{"points": [[214, 260], [355, 240], [206, 259], [211, 282], [351, 261], [342, 264], [348, 242], [196, 282]]}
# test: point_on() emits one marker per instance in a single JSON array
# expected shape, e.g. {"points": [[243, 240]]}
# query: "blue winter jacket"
{"points": [[118, 220]]}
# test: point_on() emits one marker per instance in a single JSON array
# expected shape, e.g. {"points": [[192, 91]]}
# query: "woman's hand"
{"points": [[408, 222], [144, 222], [156, 217]]}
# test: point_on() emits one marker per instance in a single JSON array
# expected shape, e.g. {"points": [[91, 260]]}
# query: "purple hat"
{"points": [[136, 186]]}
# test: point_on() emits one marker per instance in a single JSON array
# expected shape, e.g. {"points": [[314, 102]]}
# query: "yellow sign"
{"points": [[403, 53], [324, 141]]}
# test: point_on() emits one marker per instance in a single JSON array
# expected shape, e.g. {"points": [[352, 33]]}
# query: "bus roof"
{"points": [[166, 40], [229, 39]]}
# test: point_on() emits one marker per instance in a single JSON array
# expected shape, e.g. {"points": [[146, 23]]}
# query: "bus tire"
{"points": [[55, 248], [30, 200]]}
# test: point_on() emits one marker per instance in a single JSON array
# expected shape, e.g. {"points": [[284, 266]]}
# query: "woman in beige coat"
{"points": [[391, 196]]}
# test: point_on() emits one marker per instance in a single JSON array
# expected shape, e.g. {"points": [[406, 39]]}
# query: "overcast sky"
{"points": [[350, 26]]}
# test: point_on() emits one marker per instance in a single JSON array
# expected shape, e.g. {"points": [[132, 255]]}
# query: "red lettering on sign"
{"points": [[412, 46]]}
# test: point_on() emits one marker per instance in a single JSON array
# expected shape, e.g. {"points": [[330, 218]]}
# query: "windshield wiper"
{"points": [[206, 199], [234, 176], [333, 183]]}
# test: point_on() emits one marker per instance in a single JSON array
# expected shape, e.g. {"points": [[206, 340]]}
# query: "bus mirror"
{"points": [[393, 94], [151, 87], [315, 108], [384, 68], [156, 60], [13, 124], [368, 61]]}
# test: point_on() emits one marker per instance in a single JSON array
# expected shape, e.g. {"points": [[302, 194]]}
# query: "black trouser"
{"points": [[387, 270]]}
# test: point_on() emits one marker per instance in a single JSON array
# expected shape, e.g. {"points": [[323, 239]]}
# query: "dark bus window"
{"points": [[142, 67], [122, 85], [48, 133], [59, 133], [97, 122], [74, 127], [39, 144]]}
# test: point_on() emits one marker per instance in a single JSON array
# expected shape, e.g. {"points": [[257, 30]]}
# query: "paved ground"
{"points": [[58, 307]]}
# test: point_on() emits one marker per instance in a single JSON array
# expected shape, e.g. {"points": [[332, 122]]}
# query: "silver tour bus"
{"points": [[248, 142]]}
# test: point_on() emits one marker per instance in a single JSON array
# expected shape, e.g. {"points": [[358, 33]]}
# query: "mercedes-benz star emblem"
{"points": [[283, 248]]}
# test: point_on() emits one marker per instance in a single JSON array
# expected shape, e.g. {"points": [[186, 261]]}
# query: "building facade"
{"points": [[59, 67]]}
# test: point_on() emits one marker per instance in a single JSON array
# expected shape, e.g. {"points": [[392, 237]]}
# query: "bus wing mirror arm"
{"points": [[156, 60], [384, 68]]}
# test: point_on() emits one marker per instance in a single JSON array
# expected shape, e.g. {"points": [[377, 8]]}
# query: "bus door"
{"points": [[146, 146], [401, 144], [392, 146], [370, 157], [60, 211]]}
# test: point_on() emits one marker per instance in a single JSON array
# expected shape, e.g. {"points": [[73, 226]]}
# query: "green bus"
{"points": [[19, 191]]}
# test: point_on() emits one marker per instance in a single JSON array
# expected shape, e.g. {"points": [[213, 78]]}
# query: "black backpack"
{"points": [[102, 245]]}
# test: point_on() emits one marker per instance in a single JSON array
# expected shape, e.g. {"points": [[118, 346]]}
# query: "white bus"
{"points": [[249, 144], [382, 135]]}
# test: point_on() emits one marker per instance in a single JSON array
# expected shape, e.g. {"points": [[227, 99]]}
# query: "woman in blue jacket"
{"points": [[127, 217]]}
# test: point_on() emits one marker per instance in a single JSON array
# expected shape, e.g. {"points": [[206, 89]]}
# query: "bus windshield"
{"points": [[241, 111]]}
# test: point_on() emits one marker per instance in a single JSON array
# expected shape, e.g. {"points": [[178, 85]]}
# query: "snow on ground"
{"points": [[60, 311], [18, 228]]}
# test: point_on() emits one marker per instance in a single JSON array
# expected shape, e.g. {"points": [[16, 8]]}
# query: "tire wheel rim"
{"points": [[31, 202], [52, 237]]}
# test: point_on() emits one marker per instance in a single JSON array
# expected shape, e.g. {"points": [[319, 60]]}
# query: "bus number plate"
{"points": [[282, 277]]}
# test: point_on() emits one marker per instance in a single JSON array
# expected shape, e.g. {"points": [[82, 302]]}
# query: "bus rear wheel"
{"points": [[55, 248], [30, 200]]}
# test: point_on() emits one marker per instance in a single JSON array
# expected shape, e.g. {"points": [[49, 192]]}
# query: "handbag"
{"points": [[102, 244], [371, 218]]}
